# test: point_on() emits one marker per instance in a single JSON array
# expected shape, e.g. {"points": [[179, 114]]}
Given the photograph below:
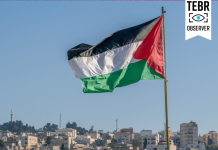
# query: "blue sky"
{"points": [[38, 84]]}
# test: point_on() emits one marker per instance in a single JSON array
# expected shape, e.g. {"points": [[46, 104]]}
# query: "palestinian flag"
{"points": [[121, 59]]}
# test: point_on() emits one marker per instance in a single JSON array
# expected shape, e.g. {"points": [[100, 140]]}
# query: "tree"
{"points": [[212, 147], [101, 143], [17, 126], [93, 144], [62, 147], [199, 141], [145, 143], [91, 129], [74, 126], [112, 145], [50, 127], [209, 140], [49, 140], [2, 144], [136, 143]]}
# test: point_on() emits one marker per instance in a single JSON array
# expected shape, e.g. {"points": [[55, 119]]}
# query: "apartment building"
{"points": [[211, 138], [42, 136], [161, 146], [124, 137], [67, 132], [106, 136], [28, 140], [35, 147], [171, 134], [67, 141], [125, 147], [7, 134], [188, 134], [152, 138], [200, 146], [94, 134], [130, 130], [84, 139]]}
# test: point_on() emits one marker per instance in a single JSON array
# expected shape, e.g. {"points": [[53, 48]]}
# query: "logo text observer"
{"points": [[198, 18]]}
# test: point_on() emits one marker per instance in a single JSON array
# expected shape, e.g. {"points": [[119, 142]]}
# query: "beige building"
{"points": [[102, 148], [94, 134], [188, 134], [27, 140], [84, 139], [124, 137], [162, 146], [200, 146], [7, 134], [106, 136], [163, 134], [76, 145], [65, 132], [43, 135], [67, 141], [130, 130], [100, 131], [36, 147], [125, 147], [213, 136]]}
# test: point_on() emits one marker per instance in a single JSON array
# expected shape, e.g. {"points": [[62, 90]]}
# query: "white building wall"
{"points": [[146, 132], [152, 138], [67, 131]]}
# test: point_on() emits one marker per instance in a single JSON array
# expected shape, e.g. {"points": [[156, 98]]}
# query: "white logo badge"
{"points": [[198, 18]]}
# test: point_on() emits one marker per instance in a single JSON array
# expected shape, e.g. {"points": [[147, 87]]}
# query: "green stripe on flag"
{"points": [[107, 82]]}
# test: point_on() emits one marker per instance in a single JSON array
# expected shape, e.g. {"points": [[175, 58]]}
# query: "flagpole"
{"points": [[165, 84]]}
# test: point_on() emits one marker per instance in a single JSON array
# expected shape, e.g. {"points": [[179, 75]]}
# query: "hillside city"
{"points": [[16, 136]]}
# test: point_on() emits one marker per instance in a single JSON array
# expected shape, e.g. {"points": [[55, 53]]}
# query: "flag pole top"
{"points": [[163, 10]]}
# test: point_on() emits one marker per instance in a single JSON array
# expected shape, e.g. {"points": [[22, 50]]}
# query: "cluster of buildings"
{"points": [[185, 139]]}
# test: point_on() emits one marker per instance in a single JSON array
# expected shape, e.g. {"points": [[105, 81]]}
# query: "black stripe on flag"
{"points": [[116, 40]]}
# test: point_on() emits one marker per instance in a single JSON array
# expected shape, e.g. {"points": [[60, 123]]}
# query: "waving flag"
{"points": [[121, 59]]}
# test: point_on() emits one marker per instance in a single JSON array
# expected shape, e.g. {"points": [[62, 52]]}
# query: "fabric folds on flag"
{"points": [[123, 58]]}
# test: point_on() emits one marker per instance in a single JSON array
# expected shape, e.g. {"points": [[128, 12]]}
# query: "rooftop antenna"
{"points": [[116, 124], [165, 131], [11, 116], [60, 122]]}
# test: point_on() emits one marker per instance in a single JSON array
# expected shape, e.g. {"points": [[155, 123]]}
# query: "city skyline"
{"points": [[116, 124], [38, 84]]}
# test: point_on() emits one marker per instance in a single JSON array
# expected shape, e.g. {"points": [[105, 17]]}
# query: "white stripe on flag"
{"points": [[104, 63]]}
